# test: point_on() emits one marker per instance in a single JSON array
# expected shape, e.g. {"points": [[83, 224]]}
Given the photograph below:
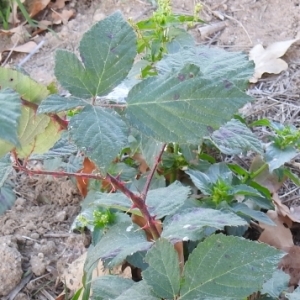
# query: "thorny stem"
{"points": [[62, 123], [137, 200], [151, 174]]}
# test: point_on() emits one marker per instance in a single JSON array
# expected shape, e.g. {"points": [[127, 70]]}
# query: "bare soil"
{"points": [[35, 234]]}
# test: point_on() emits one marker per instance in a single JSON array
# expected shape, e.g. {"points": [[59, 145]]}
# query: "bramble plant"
{"points": [[187, 245]]}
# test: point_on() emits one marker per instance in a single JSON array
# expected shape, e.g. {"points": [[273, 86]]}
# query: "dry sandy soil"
{"points": [[35, 231]]}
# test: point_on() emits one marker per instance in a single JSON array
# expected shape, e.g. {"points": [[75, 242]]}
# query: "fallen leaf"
{"points": [[36, 6], [13, 17], [278, 236], [267, 60], [290, 264], [72, 275], [265, 178], [58, 4], [25, 48], [62, 17]]}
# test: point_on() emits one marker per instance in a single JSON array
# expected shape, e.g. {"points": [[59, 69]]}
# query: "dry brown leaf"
{"points": [[36, 6], [62, 17], [72, 275], [278, 236], [25, 48], [283, 210], [267, 60], [58, 4], [265, 178], [143, 167], [290, 264]]}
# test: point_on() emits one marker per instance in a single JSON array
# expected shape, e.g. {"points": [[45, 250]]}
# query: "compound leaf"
{"points": [[191, 223], [107, 52], [100, 133], [163, 273], [10, 104], [23, 85], [180, 107], [235, 137], [121, 240], [55, 103], [227, 267]]}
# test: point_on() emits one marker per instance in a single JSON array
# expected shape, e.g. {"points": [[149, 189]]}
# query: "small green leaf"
{"points": [[179, 107], [201, 181], [277, 157], [109, 287], [56, 103], [254, 214], [163, 273], [227, 267], [107, 52], [100, 133], [23, 85], [277, 284], [165, 201], [244, 189], [10, 104], [121, 240], [191, 223], [235, 137]]}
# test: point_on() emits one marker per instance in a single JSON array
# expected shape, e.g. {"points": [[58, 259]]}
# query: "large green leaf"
{"points": [[235, 137], [5, 169], [215, 64], [100, 133], [121, 240], [163, 273], [227, 267], [191, 223], [10, 104], [107, 52], [56, 103], [109, 287], [7, 197], [23, 85], [181, 106], [165, 201]]}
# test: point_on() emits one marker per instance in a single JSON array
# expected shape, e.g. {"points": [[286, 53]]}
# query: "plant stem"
{"points": [[151, 174], [258, 171]]}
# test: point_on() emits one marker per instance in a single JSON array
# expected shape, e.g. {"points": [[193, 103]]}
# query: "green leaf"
{"points": [[150, 149], [276, 157], [244, 189], [5, 169], [121, 240], [165, 201], [254, 214], [138, 290], [7, 197], [10, 104], [163, 273], [201, 181], [100, 133], [235, 137], [179, 107], [23, 85], [277, 284], [180, 39], [227, 267], [191, 223], [107, 52], [215, 64], [109, 287], [56, 103]]}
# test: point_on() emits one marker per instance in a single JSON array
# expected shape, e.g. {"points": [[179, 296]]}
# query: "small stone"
{"points": [[20, 201], [30, 226], [38, 267], [61, 216], [35, 236]]}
